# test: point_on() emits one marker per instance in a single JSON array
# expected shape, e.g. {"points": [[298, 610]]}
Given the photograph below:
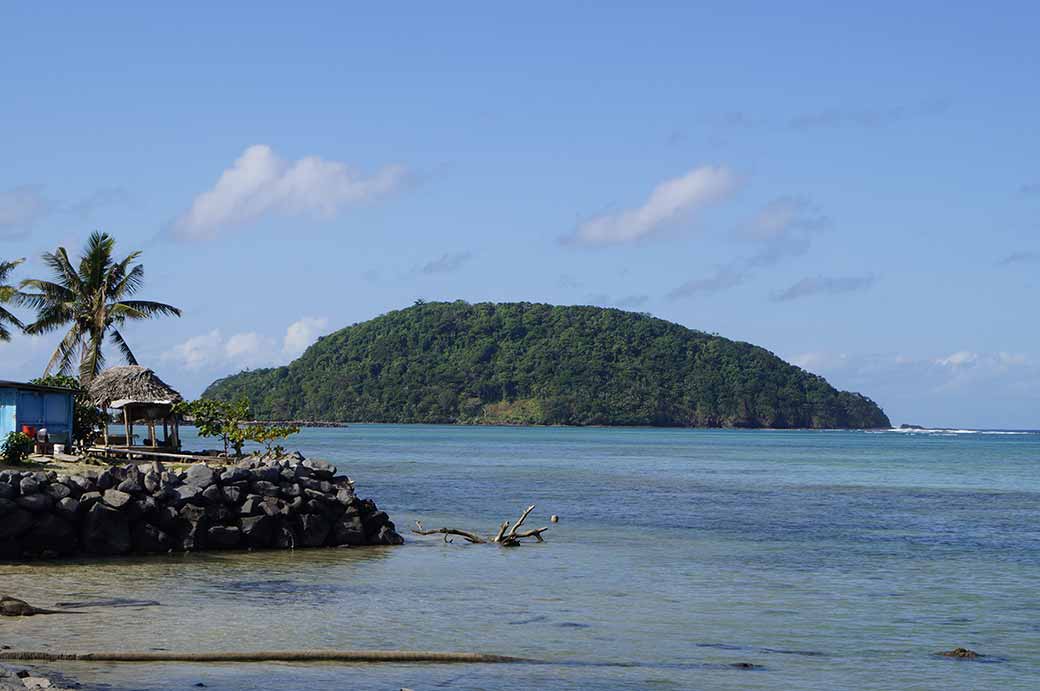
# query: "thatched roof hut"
{"points": [[118, 386], [142, 396]]}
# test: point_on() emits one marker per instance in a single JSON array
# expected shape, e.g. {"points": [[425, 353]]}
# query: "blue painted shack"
{"points": [[41, 407]]}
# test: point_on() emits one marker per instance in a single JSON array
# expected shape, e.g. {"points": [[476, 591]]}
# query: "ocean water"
{"points": [[830, 560]]}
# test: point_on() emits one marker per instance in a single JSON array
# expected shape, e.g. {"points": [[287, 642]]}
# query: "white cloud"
{"points": [[198, 351], [209, 350], [959, 359], [260, 183], [301, 334], [670, 201], [246, 346]]}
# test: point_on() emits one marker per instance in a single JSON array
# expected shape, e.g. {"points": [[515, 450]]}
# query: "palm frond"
{"points": [[50, 319], [92, 360], [97, 259], [124, 348], [148, 309], [7, 267], [62, 268], [7, 317], [127, 283], [64, 353]]}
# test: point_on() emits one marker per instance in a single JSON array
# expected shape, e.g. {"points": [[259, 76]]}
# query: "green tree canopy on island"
{"points": [[542, 364], [93, 299]]}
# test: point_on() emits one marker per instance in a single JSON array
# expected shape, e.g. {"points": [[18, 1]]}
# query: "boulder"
{"points": [[150, 539], [28, 485], [8, 491], [223, 537], [234, 475], [322, 469], [268, 489], [348, 530], [105, 531], [213, 494], [50, 534], [36, 503], [314, 530], [84, 484], [191, 526], [286, 536], [15, 523], [88, 499], [115, 498], [57, 491], [232, 494], [67, 508], [374, 521], [258, 530], [152, 481], [201, 476], [388, 536]]}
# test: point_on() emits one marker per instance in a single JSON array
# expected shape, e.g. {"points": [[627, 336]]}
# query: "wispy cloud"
{"points": [[823, 285], [671, 201], [783, 227], [23, 207], [446, 263], [1024, 257], [866, 117], [722, 279], [260, 183]]}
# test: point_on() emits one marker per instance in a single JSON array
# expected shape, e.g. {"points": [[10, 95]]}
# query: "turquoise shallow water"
{"points": [[831, 559]]}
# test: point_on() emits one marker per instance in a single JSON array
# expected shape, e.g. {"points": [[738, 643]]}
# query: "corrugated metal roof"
{"points": [[34, 387]]}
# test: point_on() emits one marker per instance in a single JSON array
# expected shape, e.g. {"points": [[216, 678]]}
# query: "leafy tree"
{"points": [[87, 418], [8, 294], [269, 434], [227, 420], [524, 363], [93, 300]]}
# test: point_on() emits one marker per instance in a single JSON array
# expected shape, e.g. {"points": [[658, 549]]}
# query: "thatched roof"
{"points": [[117, 386]]}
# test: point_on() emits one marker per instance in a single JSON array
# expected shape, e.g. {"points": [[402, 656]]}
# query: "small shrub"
{"points": [[16, 448]]}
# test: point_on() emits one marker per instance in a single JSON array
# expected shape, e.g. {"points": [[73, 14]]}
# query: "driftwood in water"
{"points": [[506, 536], [13, 607]]}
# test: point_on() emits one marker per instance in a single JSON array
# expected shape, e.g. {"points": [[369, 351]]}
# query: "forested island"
{"points": [[528, 363]]}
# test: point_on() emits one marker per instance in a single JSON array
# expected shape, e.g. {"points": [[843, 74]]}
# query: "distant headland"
{"points": [[539, 364]]}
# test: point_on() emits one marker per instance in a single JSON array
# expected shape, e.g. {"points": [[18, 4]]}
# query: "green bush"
{"points": [[16, 448]]}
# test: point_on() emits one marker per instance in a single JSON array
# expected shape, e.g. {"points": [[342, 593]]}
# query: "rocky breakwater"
{"points": [[260, 503]]}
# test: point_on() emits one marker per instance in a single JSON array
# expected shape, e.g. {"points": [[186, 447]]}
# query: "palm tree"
{"points": [[7, 294], [93, 300]]}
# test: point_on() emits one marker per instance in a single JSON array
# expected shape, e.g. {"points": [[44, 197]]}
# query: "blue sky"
{"points": [[854, 188]]}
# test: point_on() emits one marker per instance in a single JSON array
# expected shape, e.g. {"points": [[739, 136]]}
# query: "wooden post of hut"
{"points": [[128, 427]]}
